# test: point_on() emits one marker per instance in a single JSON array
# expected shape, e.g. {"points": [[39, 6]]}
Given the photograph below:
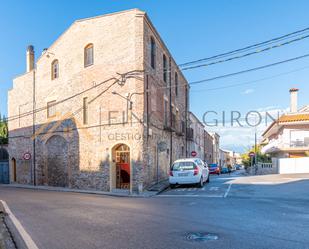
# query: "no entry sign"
{"points": [[251, 154], [193, 153]]}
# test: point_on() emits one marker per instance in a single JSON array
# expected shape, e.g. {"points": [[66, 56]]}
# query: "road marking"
{"points": [[214, 189], [227, 191], [25, 236], [200, 196]]}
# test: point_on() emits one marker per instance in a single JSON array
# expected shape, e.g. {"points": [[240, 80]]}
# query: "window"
{"points": [[165, 112], [51, 109], [55, 70], [88, 55], [152, 53], [85, 110], [164, 68], [176, 83]]}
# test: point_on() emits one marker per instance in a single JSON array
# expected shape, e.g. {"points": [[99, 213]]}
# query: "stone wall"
{"points": [[75, 154]]}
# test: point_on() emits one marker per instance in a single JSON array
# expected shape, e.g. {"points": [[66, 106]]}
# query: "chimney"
{"points": [[293, 104], [30, 58]]}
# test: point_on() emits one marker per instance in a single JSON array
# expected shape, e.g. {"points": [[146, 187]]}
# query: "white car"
{"points": [[189, 171]]}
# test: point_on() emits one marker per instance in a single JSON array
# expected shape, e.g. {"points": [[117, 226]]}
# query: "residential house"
{"points": [[196, 142], [288, 136], [216, 148], [208, 147]]}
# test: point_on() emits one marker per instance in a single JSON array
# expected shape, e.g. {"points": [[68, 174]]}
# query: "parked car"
{"points": [[188, 171], [214, 169], [238, 167], [225, 170]]}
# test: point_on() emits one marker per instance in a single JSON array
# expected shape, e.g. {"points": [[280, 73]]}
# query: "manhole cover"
{"points": [[201, 236]]}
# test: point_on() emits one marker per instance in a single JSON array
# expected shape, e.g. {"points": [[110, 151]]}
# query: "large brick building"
{"points": [[104, 107]]}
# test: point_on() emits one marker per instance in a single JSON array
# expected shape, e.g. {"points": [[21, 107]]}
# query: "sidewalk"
{"points": [[118, 193], [6, 241], [160, 186]]}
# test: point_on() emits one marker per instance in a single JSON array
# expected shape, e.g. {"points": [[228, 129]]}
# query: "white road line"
{"points": [[227, 191], [200, 196], [25, 236]]}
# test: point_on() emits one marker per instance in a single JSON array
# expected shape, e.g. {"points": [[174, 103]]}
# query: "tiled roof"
{"points": [[294, 118]]}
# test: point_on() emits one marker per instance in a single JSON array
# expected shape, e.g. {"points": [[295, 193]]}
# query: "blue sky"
{"points": [[191, 30]]}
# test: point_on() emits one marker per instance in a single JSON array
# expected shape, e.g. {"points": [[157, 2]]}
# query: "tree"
{"points": [[3, 130], [262, 158]]}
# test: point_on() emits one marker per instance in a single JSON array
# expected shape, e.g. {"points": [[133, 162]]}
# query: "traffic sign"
{"points": [[251, 154], [193, 153], [27, 156]]}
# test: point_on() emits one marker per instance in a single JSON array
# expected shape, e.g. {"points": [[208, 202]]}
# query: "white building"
{"points": [[288, 136]]}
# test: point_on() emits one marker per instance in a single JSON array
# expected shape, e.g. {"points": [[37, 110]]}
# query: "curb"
{"points": [[21, 238], [69, 190]]}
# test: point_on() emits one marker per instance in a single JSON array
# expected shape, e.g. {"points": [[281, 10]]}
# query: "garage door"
{"points": [[4, 173]]}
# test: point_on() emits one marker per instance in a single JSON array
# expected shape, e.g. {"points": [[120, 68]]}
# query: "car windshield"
{"points": [[183, 166], [213, 165]]}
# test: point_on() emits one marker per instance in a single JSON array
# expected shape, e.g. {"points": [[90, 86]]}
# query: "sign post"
{"points": [[251, 155]]}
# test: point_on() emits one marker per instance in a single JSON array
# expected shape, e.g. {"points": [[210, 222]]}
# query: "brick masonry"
{"points": [[73, 154]]}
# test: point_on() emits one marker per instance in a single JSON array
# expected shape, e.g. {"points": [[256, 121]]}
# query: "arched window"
{"points": [[88, 55], [55, 70], [152, 53]]}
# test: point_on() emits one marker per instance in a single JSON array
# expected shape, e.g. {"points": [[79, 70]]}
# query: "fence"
{"points": [[293, 165]]}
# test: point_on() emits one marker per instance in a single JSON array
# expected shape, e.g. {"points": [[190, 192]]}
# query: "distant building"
{"points": [[288, 136], [196, 142], [208, 147], [216, 148]]}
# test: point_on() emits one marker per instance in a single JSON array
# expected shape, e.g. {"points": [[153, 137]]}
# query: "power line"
{"points": [[249, 82], [114, 79], [247, 54], [162, 87], [248, 70], [248, 47]]}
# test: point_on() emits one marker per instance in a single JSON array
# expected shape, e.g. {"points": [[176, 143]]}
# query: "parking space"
{"points": [[218, 187]]}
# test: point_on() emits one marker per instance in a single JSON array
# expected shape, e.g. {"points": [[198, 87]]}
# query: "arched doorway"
{"points": [[14, 173], [121, 159], [57, 161], [4, 166]]}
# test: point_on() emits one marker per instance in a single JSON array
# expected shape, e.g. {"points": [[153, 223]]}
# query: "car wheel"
{"points": [[201, 183], [172, 186], [207, 179]]}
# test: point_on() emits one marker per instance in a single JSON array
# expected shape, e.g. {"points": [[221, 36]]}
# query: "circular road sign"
{"points": [[27, 156], [251, 154], [193, 153]]}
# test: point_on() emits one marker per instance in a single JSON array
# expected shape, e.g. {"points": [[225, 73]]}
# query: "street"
{"points": [[234, 211]]}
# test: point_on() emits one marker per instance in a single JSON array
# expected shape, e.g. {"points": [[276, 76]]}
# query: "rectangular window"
{"points": [[85, 110], [153, 53], [176, 84], [164, 68], [51, 109], [165, 112]]}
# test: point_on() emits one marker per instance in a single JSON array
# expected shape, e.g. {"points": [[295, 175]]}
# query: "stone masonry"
{"points": [[128, 102]]}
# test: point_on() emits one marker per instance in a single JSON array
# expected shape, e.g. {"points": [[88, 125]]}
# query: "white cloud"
{"points": [[248, 91]]}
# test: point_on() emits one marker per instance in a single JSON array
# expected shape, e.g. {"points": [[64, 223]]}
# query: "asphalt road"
{"points": [[238, 212]]}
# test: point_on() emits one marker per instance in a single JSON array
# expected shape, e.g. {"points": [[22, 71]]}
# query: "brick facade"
{"points": [[127, 103]]}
